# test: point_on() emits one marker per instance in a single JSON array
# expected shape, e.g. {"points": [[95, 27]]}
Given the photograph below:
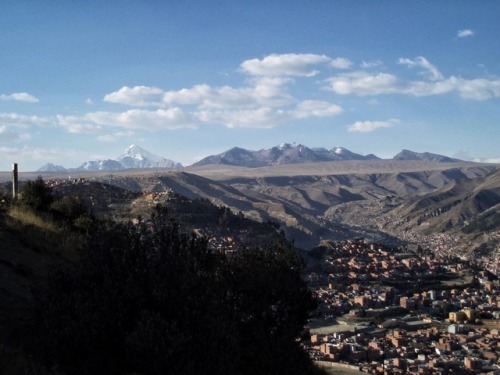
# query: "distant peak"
{"points": [[427, 156], [286, 145], [133, 148]]}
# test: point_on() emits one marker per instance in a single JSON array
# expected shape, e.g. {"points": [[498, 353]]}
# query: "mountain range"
{"points": [[135, 157], [284, 153], [315, 194]]}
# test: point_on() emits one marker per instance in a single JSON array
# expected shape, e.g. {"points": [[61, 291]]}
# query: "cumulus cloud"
{"points": [[341, 63], [301, 65], [369, 126], [269, 117], [99, 122], [477, 89], [465, 33], [19, 97], [266, 91], [141, 96], [231, 116], [363, 83], [264, 101]]}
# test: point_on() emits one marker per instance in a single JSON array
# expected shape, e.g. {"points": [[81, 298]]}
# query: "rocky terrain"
{"points": [[448, 206]]}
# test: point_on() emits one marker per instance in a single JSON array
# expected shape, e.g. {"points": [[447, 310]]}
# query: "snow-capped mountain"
{"points": [[136, 157], [285, 153]]}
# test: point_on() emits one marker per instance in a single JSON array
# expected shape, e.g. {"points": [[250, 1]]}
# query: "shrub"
{"points": [[68, 208], [148, 299], [37, 195]]}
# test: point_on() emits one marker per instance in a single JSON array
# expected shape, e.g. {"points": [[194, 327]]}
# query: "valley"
{"points": [[448, 207]]}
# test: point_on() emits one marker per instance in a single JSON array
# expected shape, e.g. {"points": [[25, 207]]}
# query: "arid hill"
{"points": [[417, 202]]}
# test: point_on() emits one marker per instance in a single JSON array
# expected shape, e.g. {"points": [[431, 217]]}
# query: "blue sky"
{"points": [[83, 80]]}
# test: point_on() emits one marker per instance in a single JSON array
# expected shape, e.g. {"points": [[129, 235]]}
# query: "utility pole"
{"points": [[15, 181]]}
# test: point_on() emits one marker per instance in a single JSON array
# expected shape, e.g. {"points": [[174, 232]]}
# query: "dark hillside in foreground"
{"points": [[145, 295]]}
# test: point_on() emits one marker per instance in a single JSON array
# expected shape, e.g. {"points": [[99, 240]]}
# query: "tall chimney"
{"points": [[15, 186]]}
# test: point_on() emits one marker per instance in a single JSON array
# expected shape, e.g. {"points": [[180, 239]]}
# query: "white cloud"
{"points": [[269, 117], [341, 63], [14, 119], [432, 72], [194, 95], [477, 89], [141, 96], [362, 83], [465, 33], [369, 126], [160, 119], [98, 122], [371, 64], [292, 64], [266, 91], [75, 124], [21, 154], [317, 108], [264, 101], [19, 97]]}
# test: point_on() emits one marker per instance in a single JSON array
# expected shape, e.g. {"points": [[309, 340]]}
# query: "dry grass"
{"points": [[42, 234], [26, 217]]}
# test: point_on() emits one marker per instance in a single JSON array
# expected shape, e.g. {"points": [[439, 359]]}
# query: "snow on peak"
{"points": [[138, 153], [338, 150], [136, 157], [285, 145]]}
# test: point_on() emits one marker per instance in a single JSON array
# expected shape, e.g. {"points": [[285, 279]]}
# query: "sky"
{"points": [[83, 80]]}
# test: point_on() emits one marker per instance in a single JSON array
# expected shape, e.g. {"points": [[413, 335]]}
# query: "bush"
{"points": [[68, 208], [37, 195], [148, 299]]}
